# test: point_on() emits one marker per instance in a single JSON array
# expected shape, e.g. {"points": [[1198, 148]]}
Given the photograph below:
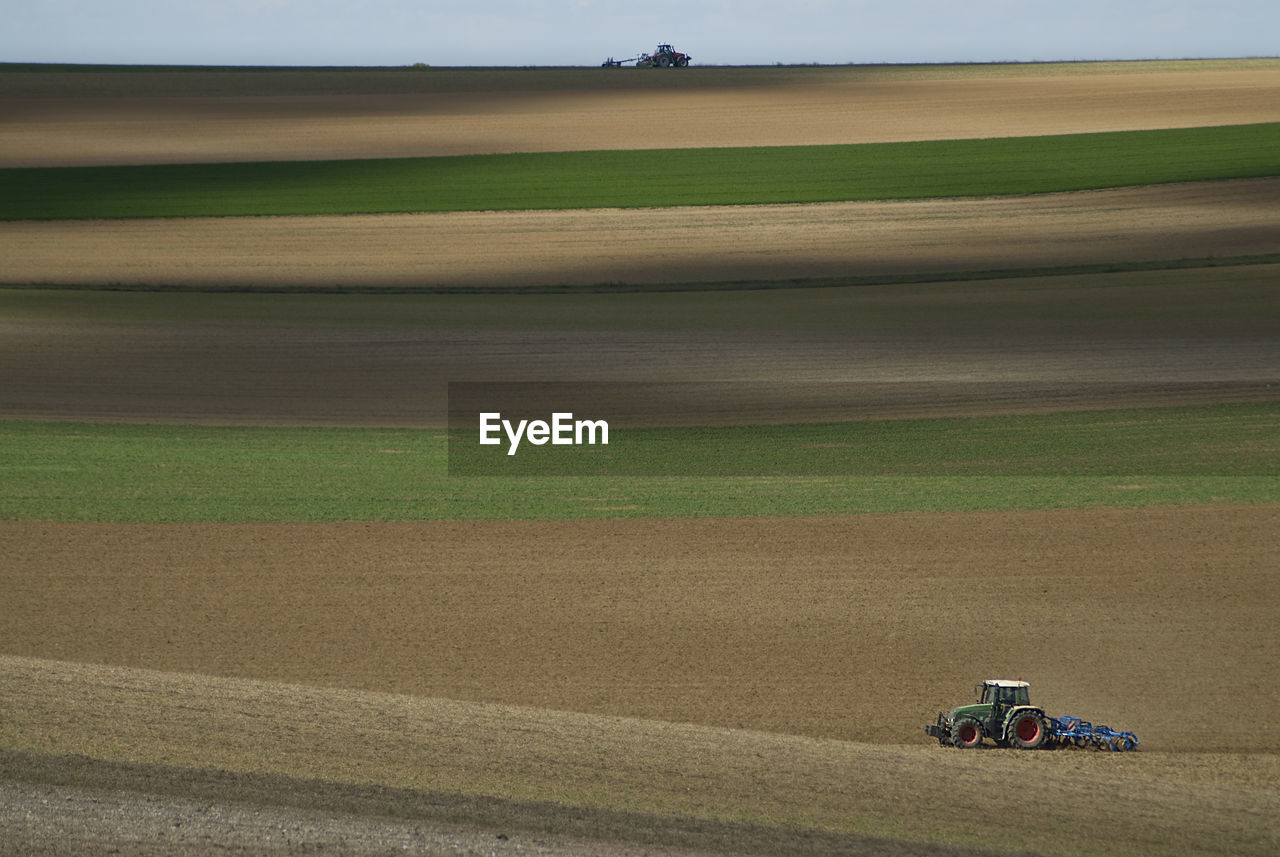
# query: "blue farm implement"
{"points": [[1073, 732], [1004, 714]]}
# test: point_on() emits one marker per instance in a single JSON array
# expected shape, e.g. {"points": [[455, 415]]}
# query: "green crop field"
{"points": [[95, 472], [564, 180], [1235, 440]]}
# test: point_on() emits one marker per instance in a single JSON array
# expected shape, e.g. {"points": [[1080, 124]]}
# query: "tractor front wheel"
{"points": [[966, 733], [1028, 731]]}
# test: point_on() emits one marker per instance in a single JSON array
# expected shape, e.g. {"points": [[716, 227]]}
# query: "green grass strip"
{"points": [[1139, 457], [1236, 440], [667, 177]]}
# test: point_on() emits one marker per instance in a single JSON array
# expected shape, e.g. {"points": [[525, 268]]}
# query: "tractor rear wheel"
{"points": [[966, 733], [1028, 731]]}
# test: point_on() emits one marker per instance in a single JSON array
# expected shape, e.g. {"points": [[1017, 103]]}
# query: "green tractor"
{"points": [[1003, 713]]}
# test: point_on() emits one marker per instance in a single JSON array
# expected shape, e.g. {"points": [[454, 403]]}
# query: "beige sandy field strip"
{"points": [[606, 774], [832, 109], [1193, 220]]}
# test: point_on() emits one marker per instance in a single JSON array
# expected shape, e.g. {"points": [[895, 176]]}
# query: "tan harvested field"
{"points": [[684, 245], [657, 686], [300, 769], [45, 123], [850, 631]]}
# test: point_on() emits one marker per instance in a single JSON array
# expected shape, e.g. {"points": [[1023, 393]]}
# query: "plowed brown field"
{"points": [[800, 625], [598, 109], [1142, 338]]}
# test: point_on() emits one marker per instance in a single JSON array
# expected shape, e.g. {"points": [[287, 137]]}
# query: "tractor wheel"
{"points": [[664, 61], [966, 733], [682, 62], [1028, 731]]}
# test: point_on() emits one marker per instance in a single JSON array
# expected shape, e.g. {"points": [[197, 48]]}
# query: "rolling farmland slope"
{"points": [[249, 608]]}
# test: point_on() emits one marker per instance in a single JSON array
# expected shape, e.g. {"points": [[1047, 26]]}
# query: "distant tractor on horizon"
{"points": [[664, 57]]}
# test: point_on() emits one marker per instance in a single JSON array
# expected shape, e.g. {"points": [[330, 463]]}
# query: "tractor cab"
{"points": [[1003, 694], [996, 697]]}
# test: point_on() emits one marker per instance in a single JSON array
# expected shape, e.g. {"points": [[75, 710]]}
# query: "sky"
{"points": [[585, 32]]}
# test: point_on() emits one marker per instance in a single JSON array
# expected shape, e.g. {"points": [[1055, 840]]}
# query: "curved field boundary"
{"points": [[799, 282], [647, 178]]}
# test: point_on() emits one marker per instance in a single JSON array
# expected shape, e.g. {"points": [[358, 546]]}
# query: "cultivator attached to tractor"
{"points": [[1072, 731], [1004, 714]]}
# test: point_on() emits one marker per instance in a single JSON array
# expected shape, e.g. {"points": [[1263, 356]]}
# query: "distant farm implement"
{"points": [[1004, 714], [664, 57]]}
